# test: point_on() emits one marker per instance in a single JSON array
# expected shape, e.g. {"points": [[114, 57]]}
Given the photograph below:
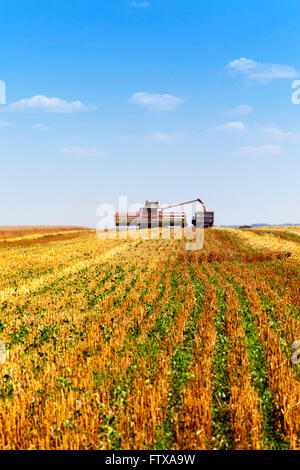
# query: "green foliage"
{"points": [[222, 429], [6, 387], [108, 432], [49, 333], [18, 335], [259, 372], [180, 369]]}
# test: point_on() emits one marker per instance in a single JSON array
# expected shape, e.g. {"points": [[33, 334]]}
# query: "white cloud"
{"points": [[140, 4], [263, 150], [41, 103], [40, 127], [82, 151], [156, 102], [241, 109], [262, 72], [276, 133], [6, 124], [159, 137], [230, 126]]}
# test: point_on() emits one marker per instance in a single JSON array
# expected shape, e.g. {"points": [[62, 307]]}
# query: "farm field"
{"points": [[116, 344]]}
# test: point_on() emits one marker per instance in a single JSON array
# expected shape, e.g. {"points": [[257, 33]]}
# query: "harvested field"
{"points": [[116, 344]]}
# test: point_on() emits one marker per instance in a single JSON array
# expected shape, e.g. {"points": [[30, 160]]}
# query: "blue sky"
{"points": [[155, 99]]}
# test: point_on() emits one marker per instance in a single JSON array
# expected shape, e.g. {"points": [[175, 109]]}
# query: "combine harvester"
{"points": [[152, 215]]}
